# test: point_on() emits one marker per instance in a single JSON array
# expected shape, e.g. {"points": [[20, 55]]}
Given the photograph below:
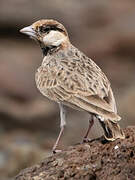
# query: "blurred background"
{"points": [[29, 122]]}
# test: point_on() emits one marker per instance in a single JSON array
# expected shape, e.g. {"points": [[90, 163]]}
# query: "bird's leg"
{"points": [[54, 150], [62, 125], [91, 122]]}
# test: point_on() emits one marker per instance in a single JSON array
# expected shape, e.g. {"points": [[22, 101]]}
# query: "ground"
{"points": [[95, 160]]}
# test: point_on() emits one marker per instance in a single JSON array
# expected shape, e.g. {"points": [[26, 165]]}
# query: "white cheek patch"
{"points": [[54, 38]]}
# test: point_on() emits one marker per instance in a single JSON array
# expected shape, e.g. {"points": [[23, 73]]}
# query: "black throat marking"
{"points": [[45, 50], [48, 49]]}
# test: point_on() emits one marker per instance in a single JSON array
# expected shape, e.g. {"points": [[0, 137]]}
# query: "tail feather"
{"points": [[111, 128], [112, 131]]}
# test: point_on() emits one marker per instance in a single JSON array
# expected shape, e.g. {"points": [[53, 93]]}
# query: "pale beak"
{"points": [[28, 31]]}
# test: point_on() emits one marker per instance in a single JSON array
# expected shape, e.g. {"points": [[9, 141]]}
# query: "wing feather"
{"points": [[79, 83]]}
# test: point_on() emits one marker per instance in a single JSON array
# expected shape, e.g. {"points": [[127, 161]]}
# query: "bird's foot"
{"points": [[86, 140]]}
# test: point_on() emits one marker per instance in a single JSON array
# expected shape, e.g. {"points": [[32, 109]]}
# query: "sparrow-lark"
{"points": [[70, 78]]}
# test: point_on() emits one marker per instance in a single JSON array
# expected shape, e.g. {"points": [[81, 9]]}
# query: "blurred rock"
{"points": [[18, 150], [128, 106]]}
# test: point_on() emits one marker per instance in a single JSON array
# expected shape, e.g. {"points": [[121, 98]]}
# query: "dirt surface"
{"points": [[95, 160]]}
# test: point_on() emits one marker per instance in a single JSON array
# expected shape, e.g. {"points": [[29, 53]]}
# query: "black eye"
{"points": [[44, 29]]}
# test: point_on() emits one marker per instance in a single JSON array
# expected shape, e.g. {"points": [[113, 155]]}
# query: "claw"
{"points": [[86, 140]]}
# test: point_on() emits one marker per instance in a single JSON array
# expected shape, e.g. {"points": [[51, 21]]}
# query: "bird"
{"points": [[70, 78]]}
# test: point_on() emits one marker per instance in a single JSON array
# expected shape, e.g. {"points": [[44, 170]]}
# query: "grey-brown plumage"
{"points": [[70, 78]]}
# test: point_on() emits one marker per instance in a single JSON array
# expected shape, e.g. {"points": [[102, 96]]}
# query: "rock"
{"points": [[95, 160], [18, 150], [127, 106]]}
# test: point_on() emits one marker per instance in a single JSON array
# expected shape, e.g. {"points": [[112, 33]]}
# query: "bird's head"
{"points": [[49, 33]]}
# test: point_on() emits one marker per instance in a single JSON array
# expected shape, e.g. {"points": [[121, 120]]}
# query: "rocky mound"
{"points": [[95, 160]]}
